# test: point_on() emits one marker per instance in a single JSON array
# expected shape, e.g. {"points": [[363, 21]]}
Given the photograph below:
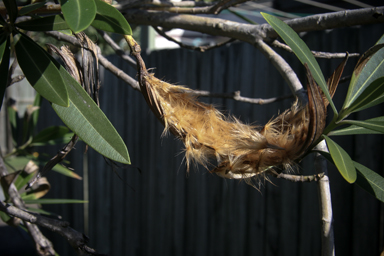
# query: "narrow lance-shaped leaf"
{"points": [[371, 96], [108, 18], [51, 136], [5, 56], [301, 50], [55, 201], [79, 14], [369, 67], [377, 126], [87, 120], [55, 22], [342, 160], [40, 71], [353, 129], [369, 180], [31, 7]]}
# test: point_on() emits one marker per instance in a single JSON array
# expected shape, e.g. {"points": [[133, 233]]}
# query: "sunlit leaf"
{"points": [[108, 18], [40, 71], [369, 68], [55, 201], [79, 14], [66, 172], [369, 180], [55, 22], [301, 50], [4, 57], [342, 160], [87, 120], [51, 136], [30, 8], [377, 126]]}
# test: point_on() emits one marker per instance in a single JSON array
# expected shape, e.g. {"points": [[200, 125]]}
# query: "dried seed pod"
{"points": [[241, 151]]}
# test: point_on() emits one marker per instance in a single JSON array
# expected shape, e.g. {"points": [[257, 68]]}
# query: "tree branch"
{"points": [[43, 245], [284, 69], [250, 33], [327, 237], [76, 239]]}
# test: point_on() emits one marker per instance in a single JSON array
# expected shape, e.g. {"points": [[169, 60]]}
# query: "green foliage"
{"points": [[366, 89], [342, 160], [52, 82], [111, 20], [87, 120], [79, 14], [40, 71]]}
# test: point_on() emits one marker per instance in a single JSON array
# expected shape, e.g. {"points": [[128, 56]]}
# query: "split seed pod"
{"points": [[241, 151]]}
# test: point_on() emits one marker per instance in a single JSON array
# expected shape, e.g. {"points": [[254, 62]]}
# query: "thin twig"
{"points": [[297, 178], [236, 96], [117, 49], [191, 47], [316, 54]]}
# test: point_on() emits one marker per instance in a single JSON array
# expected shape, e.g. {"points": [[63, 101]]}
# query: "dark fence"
{"points": [[155, 208]]}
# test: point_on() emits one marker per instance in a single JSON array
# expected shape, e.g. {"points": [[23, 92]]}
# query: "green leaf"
{"points": [[108, 18], [16, 163], [4, 57], [371, 96], [11, 9], [87, 120], [342, 160], [79, 14], [66, 172], [301, 50], [4, 217], [377, 126], [369, 68], [51, 136], [55, 22], [40, 71], [369, 180], [353, 129], [30, 8], [23, 179], [55, 201]]}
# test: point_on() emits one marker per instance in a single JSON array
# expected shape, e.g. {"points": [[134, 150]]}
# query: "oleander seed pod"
{"points": [[240, 151]]}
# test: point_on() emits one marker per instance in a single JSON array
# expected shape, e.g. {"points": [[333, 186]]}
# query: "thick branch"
{"points": [[249, 33], [327, 237]]}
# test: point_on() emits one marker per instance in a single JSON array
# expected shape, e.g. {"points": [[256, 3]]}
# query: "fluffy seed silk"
{"points": [[224, 145]]}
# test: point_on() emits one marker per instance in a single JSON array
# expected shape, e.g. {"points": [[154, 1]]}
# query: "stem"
{"points": [[327, 237]]}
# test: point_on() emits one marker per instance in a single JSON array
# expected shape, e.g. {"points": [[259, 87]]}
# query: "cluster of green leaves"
{"points": [[23, 161], [366, 89], [67, 97]]}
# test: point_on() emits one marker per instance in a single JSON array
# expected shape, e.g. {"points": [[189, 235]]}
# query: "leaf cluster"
{"points": [[50, 80], [366, 89]]}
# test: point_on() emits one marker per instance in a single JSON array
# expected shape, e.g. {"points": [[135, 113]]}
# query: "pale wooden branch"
{"points": [[248, 32], [284, 69], [297, 178], [203, 48], [327, 236]]}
